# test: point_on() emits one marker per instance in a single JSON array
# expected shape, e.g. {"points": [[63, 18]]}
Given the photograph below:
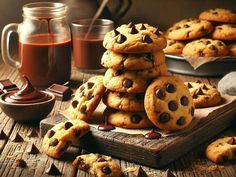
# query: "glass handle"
{"points": [[6, 33]]}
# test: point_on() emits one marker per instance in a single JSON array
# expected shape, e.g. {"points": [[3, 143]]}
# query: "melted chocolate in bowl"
{"points": [[28, 94]]}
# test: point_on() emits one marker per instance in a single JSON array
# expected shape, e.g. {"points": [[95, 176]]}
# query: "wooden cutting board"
{"points": [[157, 152]]}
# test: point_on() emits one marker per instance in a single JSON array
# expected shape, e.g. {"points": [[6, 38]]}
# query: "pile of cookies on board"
{"points": [[138, 92], [213, 34]]}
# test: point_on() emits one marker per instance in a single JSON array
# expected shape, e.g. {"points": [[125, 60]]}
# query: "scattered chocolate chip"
{"points": [[127, 83], [199, 92], [52, 170], [90, 85], [142, 27], [170, 88], [83, 109], [215, 13], [172, 105], [54, 142], [152, 135], [139, 172], [147, 39], [192, 111], [180, 121], [133, 30], [17, 138], [194, 95], [205, 87], [32, 149], [186, 26], [115, 33], [61, 92], [82, 94], [32, 133], [67, 125], [74, 103], [2, 135], [189, 85], [164, 117], [130, 25], [89, 96], [160, 93], [177, 27], [167, 173], [232, 141], [51, 133], [156, 32], [136, 118], [20, 163], [184, 100], [198, 81], [219, 27], [106, 170], [121, 38]]}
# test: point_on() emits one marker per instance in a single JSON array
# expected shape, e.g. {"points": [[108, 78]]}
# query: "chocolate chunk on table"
{"points": [[61, 92], [6, 86]]}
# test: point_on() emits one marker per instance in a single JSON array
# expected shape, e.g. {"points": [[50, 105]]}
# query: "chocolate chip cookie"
{"points": [[127, 119], [204, 95], [192, 29], [98, 165], [86, 98], [138, 61], [168, 103], [222, 149], [124, 101], [205, 48], [174, 47], [134, 38], [224, 32], [219, 15], [58, 138], [125, 81]]}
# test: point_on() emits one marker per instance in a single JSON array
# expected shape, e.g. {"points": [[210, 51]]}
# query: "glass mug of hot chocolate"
{"points": [[87, 37], [44, 44]]}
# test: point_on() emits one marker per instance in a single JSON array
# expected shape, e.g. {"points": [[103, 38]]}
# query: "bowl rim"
{"points": [[27, 104]]}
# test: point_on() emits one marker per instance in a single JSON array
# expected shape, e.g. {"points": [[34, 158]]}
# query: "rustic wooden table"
{"points": [[193, 163]]}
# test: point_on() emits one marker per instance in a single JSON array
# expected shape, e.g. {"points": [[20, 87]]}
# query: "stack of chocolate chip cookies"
{"points": [[134, 57], [212, 34]]}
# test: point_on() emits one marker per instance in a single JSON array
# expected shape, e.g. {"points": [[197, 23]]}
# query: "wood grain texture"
{"points": [[191, 164]]}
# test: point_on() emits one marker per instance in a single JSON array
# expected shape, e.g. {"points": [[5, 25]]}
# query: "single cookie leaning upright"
{"points": [[58, 138], [204, 95], [222, 149], [192, 29], [168, 103], [135, 61], [205, 48], [127, 119], [134, 38], [219, 15], [98, 165], [224, 32], [87, 98]]}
